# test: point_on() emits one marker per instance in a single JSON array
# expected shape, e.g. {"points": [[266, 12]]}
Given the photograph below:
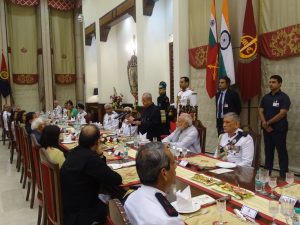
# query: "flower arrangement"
{"points": [[116, 100]]}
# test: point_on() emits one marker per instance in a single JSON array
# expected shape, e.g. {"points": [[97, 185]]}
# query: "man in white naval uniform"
{"points": [[237, 144], [109, 121], [148, 205], [186, 94], [185, 135]]}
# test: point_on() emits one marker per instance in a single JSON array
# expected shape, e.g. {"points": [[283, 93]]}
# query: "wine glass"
{"points": [[177, 154], [287, 209], [264, 177], [184, 152], [274, 210], [154, 139], [221, 205], [272, 184], [289, 178]]}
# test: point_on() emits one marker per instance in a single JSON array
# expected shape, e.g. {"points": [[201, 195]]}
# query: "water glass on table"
{"points": [[154, 139], [177, 154], [184, 152], [287, 209], [221, 206], [272, 184], [289, 178], [274, 210], [264, 178]]}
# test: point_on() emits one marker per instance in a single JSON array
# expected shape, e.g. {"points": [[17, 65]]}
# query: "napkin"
{"points": [[68, 138], [72, 119], [184, 199], [143, 137]]}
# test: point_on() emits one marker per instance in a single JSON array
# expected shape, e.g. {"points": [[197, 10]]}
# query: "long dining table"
{"points": [[241, 177]]}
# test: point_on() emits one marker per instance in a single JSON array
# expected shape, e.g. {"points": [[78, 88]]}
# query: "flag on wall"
{"points": [[212, 55], [4, 78], [226, 65], [248, 77]]}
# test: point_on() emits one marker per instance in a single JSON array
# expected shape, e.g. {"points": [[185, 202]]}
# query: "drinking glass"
{"points": [[287, 209], [221, 205], [184, 152], [274, 210], [272, 184], [177, 154], [289, 178], [264, 177], [154, 139]]}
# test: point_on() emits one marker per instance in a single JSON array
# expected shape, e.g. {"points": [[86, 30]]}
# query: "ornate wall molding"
{"points": [[198, 57], [65, 78], [25, 79]]}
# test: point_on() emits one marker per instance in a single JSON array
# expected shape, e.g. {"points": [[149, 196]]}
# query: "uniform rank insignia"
{"points": [[170, 210]]}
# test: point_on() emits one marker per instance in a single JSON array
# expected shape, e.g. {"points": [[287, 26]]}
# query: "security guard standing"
{"points": [[163, 104], [273, 115]]}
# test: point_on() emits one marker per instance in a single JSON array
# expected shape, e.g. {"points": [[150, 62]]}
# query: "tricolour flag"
{"points": [[248, 77], [212, 55], [226, 64], [4, 78]]}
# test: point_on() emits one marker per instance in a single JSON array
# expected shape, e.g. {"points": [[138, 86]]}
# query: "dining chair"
{"points": [[35, 146], [117, 214], [202, 134], [257, 148], [12, 140], [18, 147], [52, 191]]}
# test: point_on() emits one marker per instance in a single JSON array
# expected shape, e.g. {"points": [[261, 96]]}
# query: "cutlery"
{"points": [[202, 212]]}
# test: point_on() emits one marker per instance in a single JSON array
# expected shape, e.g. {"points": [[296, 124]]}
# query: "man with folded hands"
{"points": [[235, 145], [148, 205], [82, 175], [185, 135]]}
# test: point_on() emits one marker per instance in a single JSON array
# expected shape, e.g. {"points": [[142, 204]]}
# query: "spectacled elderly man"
{"points": [[235, 145], [155, 166], [185, 135], [109, 121], [37, 127], [57, 110]]}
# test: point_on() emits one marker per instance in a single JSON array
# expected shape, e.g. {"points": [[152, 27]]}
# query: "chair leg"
{"points": [[22, 174], [18, 164], [25, 179], [44, 215], [28, 189], [12, 152], [39, 215], [32, 194]]}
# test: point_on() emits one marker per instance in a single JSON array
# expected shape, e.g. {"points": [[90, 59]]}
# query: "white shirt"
{"points": [[222, 102], [57, 112], [109, 123], [183, 96], [6, 115], [128, 129], [143, 208], [188, 138], [80, 117], [245, 156]]}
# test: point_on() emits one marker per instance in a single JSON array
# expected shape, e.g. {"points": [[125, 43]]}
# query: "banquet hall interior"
{"points": [[71, 63]]}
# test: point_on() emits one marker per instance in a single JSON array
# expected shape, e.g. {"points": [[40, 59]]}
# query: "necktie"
{"points": [[220, 106]]}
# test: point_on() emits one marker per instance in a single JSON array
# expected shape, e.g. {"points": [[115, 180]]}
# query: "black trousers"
{"points": [[220, 126], [276, 139]]}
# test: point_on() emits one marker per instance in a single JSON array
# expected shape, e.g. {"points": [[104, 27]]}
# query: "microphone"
{"points": [[121, 115]]}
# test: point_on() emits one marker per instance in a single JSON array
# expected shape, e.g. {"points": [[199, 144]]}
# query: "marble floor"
{"points": [[13, 207]]}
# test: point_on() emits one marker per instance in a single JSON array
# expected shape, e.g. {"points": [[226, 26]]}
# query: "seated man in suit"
{"points": [[82, 175], [185, 135], [109, 121], [235, 145], [148, 205]]}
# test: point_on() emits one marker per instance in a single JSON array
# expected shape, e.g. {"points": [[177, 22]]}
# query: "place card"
{"points": [[249, 212], [288, 198], [183, 163], [117, 152], [220, 171]]}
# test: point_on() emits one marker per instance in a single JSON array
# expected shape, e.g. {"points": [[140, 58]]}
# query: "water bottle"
{"points": [[258, 183], [125, 156], [296, 217]]}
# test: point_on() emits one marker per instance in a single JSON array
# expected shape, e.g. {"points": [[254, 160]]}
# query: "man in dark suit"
{"points": [[82, 175], [227, 101], [150, 121]]}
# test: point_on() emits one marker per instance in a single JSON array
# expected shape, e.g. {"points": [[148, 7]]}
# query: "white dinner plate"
{"points": [[226, 165], [196, 207], [68, 142], [115, 166]]}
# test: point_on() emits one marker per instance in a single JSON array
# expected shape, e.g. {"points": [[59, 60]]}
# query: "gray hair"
{"points": [[128, 109], [187, 117], [147, 95], [150, 159], [36, 123], [107, 106], [234, 116]]}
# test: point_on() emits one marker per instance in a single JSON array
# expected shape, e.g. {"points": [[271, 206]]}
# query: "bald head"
{"points": [[147, 99], [89, 136]]}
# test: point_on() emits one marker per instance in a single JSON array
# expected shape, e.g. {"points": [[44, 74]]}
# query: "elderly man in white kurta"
{"points": [[109, 121], [148, 205], [185, 135], [238, 145]]}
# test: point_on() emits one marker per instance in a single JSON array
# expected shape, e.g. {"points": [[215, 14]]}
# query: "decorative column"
{"points": [[46, 55], [78, 30]]}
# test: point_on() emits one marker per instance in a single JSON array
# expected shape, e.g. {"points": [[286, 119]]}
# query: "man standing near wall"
{"points": [[273, 115]]}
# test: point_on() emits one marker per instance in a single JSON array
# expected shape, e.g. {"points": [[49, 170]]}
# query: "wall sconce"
{"points": [[80, 18]]}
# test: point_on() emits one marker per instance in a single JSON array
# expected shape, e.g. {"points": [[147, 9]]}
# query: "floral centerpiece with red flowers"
{"points": [[116, 100]]}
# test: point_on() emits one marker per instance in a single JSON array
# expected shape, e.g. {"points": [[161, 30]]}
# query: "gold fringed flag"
{"points": [[4, 79]]}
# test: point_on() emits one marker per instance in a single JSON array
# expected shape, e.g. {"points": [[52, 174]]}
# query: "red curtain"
{"points": [[198, 57], [64, 5], [25, 2]]}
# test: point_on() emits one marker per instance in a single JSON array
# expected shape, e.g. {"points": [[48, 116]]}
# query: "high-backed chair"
{"points": [[5, 133], [18, 146], [256, 140], [35, 146], [52, 191], [12, 140], [202, 134], [117, 215]]}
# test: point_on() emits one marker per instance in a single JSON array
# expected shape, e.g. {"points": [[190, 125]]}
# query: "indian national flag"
{"points": [[212, 55], [226, 65]]}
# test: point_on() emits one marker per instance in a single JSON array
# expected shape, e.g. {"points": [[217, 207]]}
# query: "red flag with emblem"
{"points": [[248, 76], [4, 78]]}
